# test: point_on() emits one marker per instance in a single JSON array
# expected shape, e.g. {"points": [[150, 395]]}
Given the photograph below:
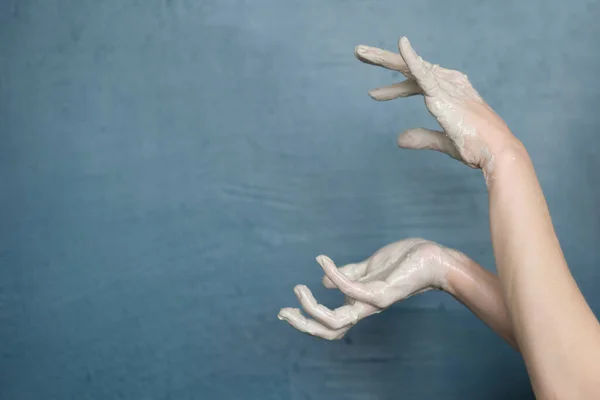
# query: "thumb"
{"points": [[352, 271], [423, 138]]}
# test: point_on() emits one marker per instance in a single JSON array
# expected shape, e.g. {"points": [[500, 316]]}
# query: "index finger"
{"points": [[383, 58]]}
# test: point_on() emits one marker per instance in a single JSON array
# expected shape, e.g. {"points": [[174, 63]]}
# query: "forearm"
{"points": [[555, 329], [480, 291]]}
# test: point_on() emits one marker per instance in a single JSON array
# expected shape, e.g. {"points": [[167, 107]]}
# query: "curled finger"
{"points": [[341, 317], [352, 271], [365, 292], [295, 318]]}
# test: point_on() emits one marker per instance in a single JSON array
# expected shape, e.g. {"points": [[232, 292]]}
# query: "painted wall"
{"points": [[170, 168]]}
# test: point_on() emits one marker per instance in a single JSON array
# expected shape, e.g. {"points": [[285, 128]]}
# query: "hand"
{"points": [[473, 132], [395, 272]]}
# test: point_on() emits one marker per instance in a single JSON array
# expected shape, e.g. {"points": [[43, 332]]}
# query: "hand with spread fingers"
{"points": [[472, 132], [395, 272], [534, 302]]}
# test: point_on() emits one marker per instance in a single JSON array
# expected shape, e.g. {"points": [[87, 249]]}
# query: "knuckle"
{"points": [[336, 324], [426, 250], [382, 302]]}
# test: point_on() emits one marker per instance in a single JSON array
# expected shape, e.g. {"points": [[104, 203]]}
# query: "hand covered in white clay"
{"points": [[473, 132], [395, 272]]}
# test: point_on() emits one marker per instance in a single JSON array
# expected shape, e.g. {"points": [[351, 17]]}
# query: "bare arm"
{"points": [[558, 334], [480, 291], [554, 327], [394, 273]]}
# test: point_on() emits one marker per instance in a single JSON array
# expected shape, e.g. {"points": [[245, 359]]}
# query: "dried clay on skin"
{"points": [[395, 272]]}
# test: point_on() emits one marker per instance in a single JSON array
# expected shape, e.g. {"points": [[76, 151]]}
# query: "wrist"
{"points": [[457, 267], [512, 152], [443, 266]]}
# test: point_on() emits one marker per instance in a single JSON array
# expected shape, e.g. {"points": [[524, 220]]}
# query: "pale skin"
{"points": [[394, 273], [534, 303]]}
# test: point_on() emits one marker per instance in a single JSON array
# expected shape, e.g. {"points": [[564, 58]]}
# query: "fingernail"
{"points": [[405, 137], [323, 261], [378, 94], [408, 45]]}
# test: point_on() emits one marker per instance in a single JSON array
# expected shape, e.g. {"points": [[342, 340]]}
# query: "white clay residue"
{"points": [[412, 266], [395, 272]]}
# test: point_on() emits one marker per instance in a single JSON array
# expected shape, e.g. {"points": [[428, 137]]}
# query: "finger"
{"points": [[356, 290], [382, 58], [324, 315], [352, 271], [294, 317], [421, 69], [344, 316], [422, 138], [403, 89]]}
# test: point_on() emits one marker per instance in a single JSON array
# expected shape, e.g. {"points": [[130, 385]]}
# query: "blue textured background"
{"points": [[170, 168]]}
